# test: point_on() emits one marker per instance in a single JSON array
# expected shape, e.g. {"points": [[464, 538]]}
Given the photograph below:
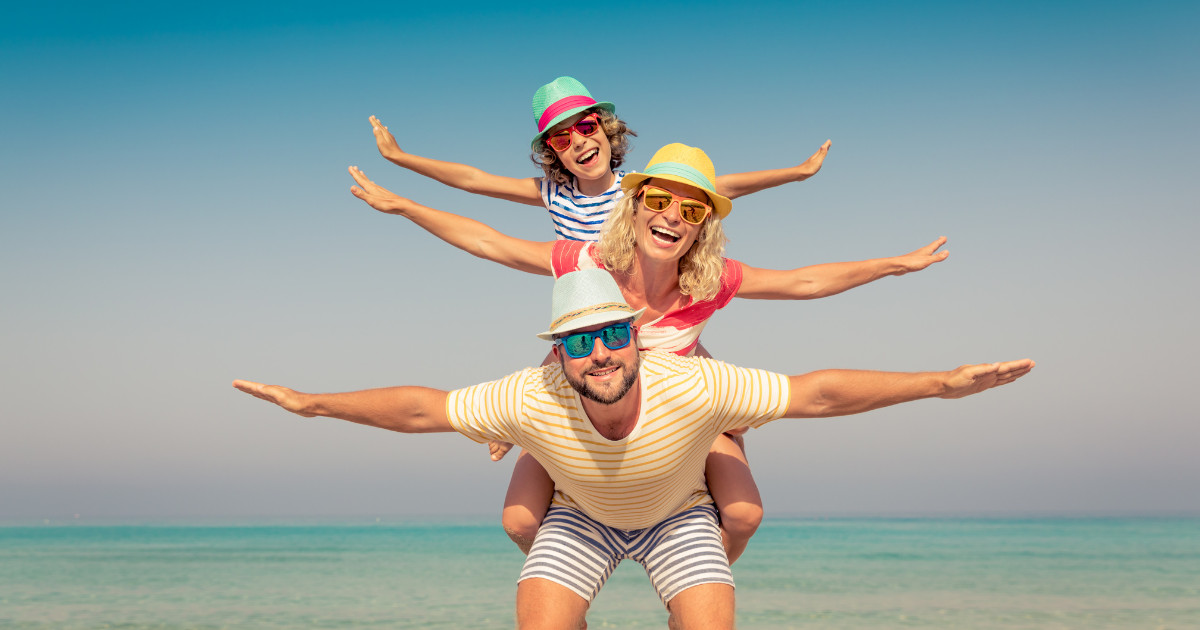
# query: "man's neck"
{"points": [[616, 421]]}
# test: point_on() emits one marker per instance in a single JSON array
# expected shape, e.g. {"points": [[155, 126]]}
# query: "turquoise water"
{"points": [[854, 573]]}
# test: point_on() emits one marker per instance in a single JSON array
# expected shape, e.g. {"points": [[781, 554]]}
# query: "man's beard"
{"points": [[586, 390]]}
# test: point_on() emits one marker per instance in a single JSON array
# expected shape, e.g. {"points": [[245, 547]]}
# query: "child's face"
{"points": [[588, 157]]}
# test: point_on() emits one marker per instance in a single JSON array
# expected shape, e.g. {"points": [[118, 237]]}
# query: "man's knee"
{"points": [[702, 607], [545, 605], [741, 519]]}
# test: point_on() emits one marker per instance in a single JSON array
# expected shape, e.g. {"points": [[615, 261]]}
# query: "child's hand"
{"points": [[387, 142], [377, 196], [812, 164], [922, 258]]}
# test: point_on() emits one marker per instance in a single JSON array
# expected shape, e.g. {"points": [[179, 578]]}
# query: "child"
{"points": [[581, 183]]}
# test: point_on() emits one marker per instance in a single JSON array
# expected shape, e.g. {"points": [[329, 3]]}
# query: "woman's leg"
{"points": [[528, 498], [735, 493]]}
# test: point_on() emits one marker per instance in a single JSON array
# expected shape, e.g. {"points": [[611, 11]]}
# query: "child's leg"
{"points": [[528, 498], [735, 493]]}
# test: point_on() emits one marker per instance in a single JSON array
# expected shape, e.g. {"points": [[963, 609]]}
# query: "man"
{"points": [[625, 435]]}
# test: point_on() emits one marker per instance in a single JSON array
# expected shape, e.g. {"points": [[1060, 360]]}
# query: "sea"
{"points": [[879, 573]]}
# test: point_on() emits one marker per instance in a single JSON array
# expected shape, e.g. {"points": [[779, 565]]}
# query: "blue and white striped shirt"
{"points": [[578, 217]]}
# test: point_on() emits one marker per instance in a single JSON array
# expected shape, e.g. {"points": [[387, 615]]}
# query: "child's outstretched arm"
{"points": [[738, 184], [469, 235], [521, 190], [818, 281]]}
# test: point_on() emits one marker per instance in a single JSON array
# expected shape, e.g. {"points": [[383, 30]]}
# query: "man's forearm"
{"points": [[404, 409], [828, 393]]}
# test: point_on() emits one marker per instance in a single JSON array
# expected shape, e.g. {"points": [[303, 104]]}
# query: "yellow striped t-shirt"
{"points": [[654, 472]]}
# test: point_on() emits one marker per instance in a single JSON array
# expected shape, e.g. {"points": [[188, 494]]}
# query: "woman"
{"points": [[663, 244]]}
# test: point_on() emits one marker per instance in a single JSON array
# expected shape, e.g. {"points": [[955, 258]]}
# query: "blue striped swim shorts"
{"points": [[579, 553]]}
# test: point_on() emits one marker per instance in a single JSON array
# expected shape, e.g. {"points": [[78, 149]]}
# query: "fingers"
{"points": [[1012, 370], [258, 390], [249, 387], [996, 374], [360, 177], [825, 147]]}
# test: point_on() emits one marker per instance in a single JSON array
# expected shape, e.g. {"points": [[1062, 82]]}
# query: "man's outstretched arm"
{"points": [[827, 393], [403, 409]]}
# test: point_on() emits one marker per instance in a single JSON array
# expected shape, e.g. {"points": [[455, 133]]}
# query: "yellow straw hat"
{"points": [[687, 165]]}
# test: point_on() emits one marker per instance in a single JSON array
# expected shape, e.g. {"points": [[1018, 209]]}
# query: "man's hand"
{"points": [[813, 164], [385, 140], [972, 379], [289, 399], [377, 196], [921, 258]]}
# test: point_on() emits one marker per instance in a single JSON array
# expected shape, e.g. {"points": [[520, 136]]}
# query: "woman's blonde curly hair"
{"points": [[700, 267], [618, 138]]}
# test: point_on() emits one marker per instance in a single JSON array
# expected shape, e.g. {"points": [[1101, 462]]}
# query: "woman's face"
{"points": [[588, 157], [665, 235]]}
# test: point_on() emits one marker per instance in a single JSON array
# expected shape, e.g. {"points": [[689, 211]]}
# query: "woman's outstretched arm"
{"points": [[818, 281], [469, 235]]}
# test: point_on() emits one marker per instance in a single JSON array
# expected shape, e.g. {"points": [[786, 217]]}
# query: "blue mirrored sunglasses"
{"points": [[580, 345]]}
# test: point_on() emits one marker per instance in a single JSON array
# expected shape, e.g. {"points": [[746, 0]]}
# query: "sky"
{"points": [[175, 214]]}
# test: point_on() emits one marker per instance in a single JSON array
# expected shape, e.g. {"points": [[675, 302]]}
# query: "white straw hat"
{"points": [[586, 298]]}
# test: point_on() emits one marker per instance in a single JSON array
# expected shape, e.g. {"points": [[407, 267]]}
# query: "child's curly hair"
{"points": [[618, 138]]}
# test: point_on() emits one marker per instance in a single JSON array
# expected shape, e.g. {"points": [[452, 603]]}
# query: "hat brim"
{"points": [[591, 320], [721, 205], [609, 107]]}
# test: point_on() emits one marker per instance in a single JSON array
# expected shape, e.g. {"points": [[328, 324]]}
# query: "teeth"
{"points": [[665, 232], [587, 156]]}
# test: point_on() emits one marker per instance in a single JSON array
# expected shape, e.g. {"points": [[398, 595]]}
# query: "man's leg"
{"points": [[703, 607], [571, 559], [542, 604], [687, 566]]}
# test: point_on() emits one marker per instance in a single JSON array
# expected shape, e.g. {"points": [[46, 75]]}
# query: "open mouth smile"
{"points": [[588, 157], [604, 371], [664, 235]]}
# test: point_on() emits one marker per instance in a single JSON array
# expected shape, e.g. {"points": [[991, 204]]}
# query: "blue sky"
{"points": [[175, 214]]}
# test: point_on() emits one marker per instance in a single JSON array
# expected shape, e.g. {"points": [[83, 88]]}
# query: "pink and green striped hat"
{"points": [[557, 101]]}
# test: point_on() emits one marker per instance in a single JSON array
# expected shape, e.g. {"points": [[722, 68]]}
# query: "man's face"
{"points": [[605, 375]]}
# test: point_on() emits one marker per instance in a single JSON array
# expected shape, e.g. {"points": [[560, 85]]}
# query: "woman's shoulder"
{"points": [[571, 256]]}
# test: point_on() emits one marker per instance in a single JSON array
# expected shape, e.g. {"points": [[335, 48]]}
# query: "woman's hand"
{"points": [[377, 196]]}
